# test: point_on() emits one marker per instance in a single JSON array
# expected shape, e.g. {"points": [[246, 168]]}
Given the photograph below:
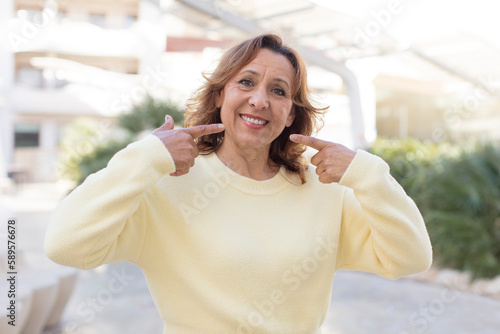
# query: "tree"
{"points": [[149, 115], [88, 146], [457, 189]]}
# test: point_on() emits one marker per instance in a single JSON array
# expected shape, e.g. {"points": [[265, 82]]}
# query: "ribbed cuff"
{"points": [[157, 154], [364, 168]]}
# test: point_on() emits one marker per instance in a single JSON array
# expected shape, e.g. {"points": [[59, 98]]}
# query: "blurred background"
{"points": [[416, 82]]}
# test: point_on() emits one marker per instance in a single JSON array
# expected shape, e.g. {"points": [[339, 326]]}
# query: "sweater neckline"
{"points": [[278, 182]]}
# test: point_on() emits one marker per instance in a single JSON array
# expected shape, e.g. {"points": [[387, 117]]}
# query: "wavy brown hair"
{"points": [[201, 108]]}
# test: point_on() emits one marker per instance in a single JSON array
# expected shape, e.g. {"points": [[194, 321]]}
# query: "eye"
{"points": [[246, 82], [279, 91]]}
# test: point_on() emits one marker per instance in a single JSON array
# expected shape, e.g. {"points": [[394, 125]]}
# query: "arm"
{"points": [[382, 229], [102, 220]]}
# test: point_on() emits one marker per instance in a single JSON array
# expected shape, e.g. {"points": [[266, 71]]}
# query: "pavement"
{"points": [[361, 303]]}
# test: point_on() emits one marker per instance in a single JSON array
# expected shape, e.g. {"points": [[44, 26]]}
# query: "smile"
{"points": [[254, 120]]}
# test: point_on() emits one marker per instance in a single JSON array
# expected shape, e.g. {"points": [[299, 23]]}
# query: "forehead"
{"points": [[272, 62]]}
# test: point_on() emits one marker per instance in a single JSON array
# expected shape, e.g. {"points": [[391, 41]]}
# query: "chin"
{"points": [[254, 143]]}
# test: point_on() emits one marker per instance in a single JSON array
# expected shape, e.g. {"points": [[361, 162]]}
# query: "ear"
{"points": [[291, 117], [218, 98]]}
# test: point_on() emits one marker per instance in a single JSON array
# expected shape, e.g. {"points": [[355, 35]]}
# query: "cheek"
{"points": [[223, 116], [227, 116]]}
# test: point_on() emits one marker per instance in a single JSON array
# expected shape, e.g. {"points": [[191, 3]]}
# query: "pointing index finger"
{"points": [[206, 129], [315, 143]]}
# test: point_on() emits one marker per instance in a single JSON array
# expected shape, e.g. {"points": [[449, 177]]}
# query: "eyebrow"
{"points": [[257, 74]]}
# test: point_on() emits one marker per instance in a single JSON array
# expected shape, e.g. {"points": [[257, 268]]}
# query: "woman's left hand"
{"points": [[332, 159]]}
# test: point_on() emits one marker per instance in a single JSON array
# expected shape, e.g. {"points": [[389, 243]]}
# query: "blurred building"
{"points": [[65, 59], [68, 59]]}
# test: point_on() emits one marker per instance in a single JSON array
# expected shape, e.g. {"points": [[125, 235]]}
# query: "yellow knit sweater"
{"points": [[223, 253]]}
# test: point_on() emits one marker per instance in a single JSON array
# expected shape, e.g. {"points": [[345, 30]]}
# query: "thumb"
{"points": [[169, 122]]}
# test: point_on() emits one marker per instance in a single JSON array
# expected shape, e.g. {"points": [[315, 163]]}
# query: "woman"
{"points": [[248, 239]]}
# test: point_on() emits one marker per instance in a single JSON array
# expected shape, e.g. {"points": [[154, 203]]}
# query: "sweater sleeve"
{"points": [[382, 230], [103, 220]]}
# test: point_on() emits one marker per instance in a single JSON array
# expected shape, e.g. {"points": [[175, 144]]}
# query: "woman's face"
{"points": [[256, 103]]}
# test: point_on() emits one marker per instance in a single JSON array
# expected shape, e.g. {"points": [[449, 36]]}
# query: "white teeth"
{"points": [[253, 120]]}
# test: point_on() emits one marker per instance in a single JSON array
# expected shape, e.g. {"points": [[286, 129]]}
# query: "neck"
{"points": [[248, 162]]}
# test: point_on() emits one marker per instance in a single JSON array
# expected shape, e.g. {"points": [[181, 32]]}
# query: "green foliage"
{"points": [[149, 115], [98, 158], [457, 189], [88, 146], [80, 140], [410, 160], [462, 209]]}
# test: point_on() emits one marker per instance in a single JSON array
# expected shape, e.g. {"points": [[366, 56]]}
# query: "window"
{"points": [[129, 21], [97, 19], [31, 15], [26, 135], [30, 76]]}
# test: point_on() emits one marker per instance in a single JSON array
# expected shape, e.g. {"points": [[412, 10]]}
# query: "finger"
{"points": [[202, 130], [326, 178], [317, 159], [315, 143], [179, 172], [195, 154], [169, 123], [319, 169]]}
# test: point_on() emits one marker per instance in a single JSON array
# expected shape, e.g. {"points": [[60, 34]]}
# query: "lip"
{"points": [[253, 116], [251, 125]]}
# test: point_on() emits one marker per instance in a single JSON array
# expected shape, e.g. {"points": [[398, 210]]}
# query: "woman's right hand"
{"points": [[180, 142]]}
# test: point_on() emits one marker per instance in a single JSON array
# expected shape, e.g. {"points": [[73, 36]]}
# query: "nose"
{"points": [[259, 98]]}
